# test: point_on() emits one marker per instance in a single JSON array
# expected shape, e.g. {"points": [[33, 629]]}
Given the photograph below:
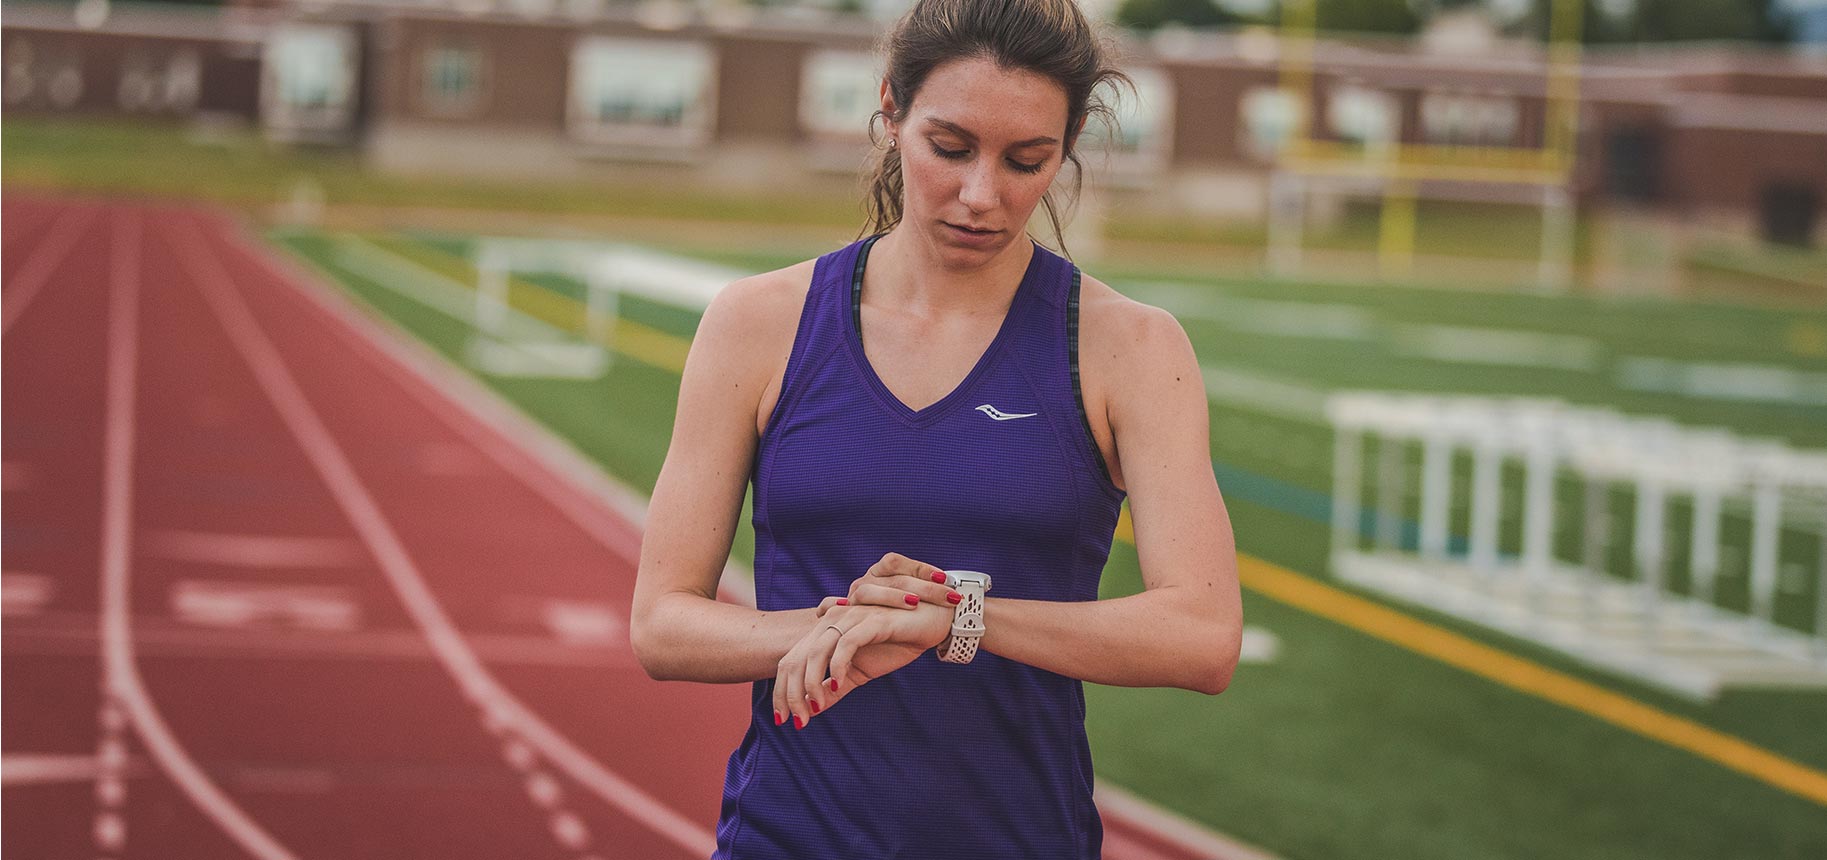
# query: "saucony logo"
{"points": [[1000, 415]]}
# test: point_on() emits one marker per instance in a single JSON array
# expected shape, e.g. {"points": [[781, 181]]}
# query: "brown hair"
{"points": [[1047, 37]]}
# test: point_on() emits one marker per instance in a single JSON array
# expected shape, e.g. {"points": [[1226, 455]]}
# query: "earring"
{"points": [[891, 143]]}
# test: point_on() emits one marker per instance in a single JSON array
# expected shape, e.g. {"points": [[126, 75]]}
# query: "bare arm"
{"points": [[1186, 628], [678, 629]]}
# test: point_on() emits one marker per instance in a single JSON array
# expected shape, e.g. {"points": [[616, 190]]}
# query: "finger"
{"points": [[826, 604], [813, 680], [783, 710], [792, 671], [843, 655], [870, 594], [936, 593], [895, 563]]}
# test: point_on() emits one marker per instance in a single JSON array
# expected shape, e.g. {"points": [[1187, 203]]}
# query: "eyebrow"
{"points": [[959, 130]]}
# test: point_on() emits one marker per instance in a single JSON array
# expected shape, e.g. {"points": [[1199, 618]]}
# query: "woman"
{"points": [[943, 395]]}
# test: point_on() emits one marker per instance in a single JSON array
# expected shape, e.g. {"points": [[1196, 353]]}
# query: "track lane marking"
{"points": [[333, 466], [42, 263], [122, 683]]}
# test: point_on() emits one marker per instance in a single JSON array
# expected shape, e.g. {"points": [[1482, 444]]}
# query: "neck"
{"points": [[907, 270]]}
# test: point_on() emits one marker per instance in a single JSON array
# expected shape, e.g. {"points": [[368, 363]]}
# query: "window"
{"points": [[1469, 120], [21, 78], [159, 83], [451, 80], [838, 92], [1270, 116], [1363, 116], [308, 79], [642, 92]]}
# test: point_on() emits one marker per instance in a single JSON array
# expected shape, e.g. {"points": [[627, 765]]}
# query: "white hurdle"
{"points": [[607, 270], [1634, 621]]}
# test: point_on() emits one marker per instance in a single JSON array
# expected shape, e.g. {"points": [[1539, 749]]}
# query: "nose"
{"points": [[979, 191]]}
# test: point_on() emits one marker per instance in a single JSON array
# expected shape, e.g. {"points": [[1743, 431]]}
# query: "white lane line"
{"points": [[120, 672], [42, 264], [51, 635], [1189, 835], [552, 466], [42, 768], [265, 605], [25, 594], [544, 790], [248, 550], [364, 513]]}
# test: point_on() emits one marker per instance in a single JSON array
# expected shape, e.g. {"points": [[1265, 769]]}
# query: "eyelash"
{"points": [[955, 154]]}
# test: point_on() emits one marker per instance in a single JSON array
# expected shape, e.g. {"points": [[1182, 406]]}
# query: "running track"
{"points": [[277, 586]]}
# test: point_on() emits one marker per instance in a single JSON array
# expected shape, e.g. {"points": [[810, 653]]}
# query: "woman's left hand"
{"points": [[850, 646]]}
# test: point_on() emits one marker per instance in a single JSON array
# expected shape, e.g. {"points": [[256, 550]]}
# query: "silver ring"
{"points": [[840, 630]]}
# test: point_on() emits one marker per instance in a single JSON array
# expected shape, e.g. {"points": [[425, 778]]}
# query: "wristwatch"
{"points": [[967, 618]]}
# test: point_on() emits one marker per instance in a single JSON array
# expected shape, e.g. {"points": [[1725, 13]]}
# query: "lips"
{"points": [[983, 230]]}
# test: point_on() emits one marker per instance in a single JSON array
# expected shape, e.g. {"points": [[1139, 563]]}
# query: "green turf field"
{"points": [[1344, 746]]}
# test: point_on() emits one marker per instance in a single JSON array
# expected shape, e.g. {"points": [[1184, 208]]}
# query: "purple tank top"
{"points": [[1002, 476]]}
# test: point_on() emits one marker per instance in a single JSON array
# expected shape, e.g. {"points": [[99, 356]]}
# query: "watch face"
{"points": [[956, 578]]}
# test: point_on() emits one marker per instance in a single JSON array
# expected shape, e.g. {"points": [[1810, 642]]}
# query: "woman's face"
{"points": [[979, 148]]}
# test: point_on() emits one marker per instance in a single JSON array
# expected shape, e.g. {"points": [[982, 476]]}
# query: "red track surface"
{"points": [[271, 593]]}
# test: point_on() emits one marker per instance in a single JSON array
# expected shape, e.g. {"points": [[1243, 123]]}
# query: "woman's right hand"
{"points": [[896, 582]]}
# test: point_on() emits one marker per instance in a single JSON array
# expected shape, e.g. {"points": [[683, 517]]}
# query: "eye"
{"points": [[955, 154]]}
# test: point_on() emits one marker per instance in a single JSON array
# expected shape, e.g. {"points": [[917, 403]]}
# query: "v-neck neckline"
{"points": [[854, 329]]}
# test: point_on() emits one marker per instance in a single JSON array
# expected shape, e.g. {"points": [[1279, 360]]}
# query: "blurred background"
{"points": [[1513, 317]]}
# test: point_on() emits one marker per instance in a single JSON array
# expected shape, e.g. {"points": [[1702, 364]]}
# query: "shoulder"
{"points": [[1128, 333], [745, 339], [756, 305], [751, 316], [1142, 345]]}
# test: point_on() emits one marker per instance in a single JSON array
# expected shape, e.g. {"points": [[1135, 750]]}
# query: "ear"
{"points": [[1072, 138], [888, 124]]}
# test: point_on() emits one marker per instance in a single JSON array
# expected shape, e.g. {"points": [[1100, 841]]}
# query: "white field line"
{"points": [[1269, 394], [572, 481], [42, 264], [333, 466], [119, 670], [1472, 345]]}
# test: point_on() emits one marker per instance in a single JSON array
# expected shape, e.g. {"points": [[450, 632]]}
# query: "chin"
{"points": [[944, 238]]}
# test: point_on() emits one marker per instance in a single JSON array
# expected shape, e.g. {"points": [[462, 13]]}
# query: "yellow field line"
{"points": [[1522, 675], [1429, 640]]}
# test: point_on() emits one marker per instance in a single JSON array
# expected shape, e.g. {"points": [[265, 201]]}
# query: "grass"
{"points": [[233, 164], [1344, 747]]}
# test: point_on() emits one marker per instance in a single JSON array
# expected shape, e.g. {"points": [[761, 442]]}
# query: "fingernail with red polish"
{"points": [[814, 705], [832, 683], [843, 601], [778, 719], [799, 722], [938, 576], [954, 597], [913, 600]]}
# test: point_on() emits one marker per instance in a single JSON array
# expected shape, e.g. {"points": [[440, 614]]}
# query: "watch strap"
{"points": [[967, 626]]}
